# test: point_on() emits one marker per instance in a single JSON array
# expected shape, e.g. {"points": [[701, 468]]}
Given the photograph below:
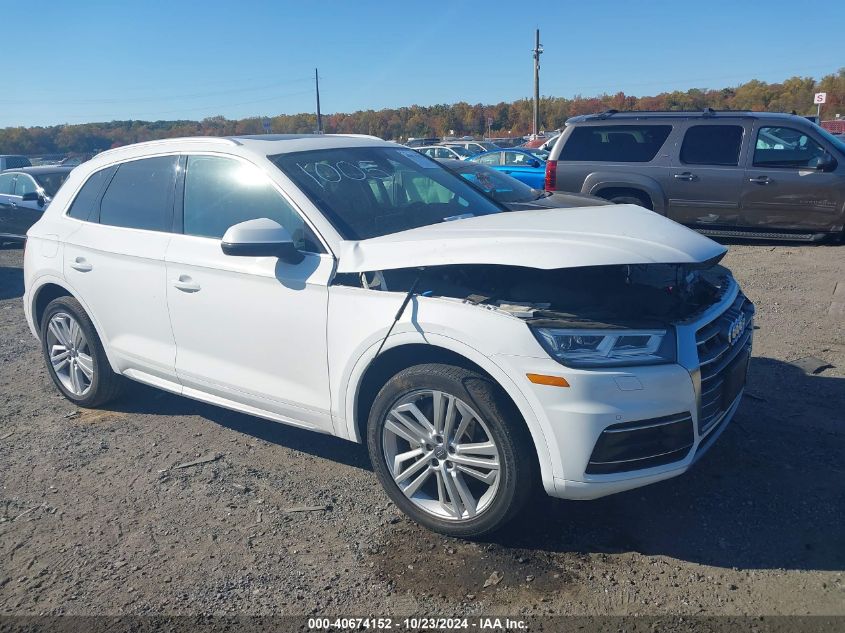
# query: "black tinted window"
{"points": [[140, 196], [14, 162], [51, 181], [83, 204], [712, 145], [622, 143], [222, 192]]}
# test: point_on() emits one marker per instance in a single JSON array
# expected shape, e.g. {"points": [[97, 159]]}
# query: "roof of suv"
{"points": [[261, 144], [707, 113]]}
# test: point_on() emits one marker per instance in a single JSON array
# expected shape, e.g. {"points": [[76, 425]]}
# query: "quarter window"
{"points": [[140, 196], [83, 204], [222, 192], [712, 145], [787, 147], [615, 143]]}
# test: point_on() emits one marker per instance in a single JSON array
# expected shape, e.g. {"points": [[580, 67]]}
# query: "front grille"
{"points": [[642, 444], [723, 349]]}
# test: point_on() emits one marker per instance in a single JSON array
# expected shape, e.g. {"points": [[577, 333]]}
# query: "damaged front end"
{"points": [[584, 316]]}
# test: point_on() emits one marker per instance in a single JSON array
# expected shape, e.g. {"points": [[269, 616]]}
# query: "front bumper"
{"points": [[617, 429]]}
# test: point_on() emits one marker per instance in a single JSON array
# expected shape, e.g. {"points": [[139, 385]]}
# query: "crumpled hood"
{"points": [[546, 239]]}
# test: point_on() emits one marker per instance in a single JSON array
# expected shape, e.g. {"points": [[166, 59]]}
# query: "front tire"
{"points": [[75, 358], [451, 450]]}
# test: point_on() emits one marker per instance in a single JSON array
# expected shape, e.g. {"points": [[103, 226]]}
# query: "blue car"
{"points": [[528, 166]]}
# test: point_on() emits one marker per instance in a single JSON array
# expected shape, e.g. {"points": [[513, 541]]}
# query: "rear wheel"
{"points": [[450, 450], [631, 198], [75, 357]]}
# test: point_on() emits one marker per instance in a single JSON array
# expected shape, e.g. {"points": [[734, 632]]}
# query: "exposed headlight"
{"points": [[607, 348]]}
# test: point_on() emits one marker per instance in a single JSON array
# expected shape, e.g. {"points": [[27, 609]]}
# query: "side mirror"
{"points": [[260, 238], [828, 163], [31, 196]]}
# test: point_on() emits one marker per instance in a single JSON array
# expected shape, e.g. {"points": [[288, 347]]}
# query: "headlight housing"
{"points": [[607, 347]]}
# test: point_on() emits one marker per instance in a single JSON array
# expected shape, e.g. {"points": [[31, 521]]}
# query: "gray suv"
{"points": [[724, 173]]}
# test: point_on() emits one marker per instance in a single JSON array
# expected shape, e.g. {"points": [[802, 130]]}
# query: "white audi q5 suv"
{"points": [[355, 287]]}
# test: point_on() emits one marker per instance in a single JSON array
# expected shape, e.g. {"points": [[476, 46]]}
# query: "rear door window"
{"points": [[518, 159], [787, 147], [491, 159], [83, 205], [140, 196], [615, 143], [712, 145]]}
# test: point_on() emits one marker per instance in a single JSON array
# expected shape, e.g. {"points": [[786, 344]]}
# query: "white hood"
{"points": [[548, 239]]}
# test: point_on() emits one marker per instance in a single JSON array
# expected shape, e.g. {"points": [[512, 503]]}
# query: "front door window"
{"points": [[787, 147]]}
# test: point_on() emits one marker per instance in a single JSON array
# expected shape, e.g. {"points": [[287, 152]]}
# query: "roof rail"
{"points": [[607, 114], [705, 111], [181, 139]]}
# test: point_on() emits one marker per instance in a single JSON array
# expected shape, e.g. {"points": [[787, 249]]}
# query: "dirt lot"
{"points": [[94, 519]]}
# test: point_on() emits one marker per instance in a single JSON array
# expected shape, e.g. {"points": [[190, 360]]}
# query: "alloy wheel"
{"points": [[441, 455], [70, 354]]}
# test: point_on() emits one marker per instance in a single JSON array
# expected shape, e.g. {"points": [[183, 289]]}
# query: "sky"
{"points": [[94, 60]]}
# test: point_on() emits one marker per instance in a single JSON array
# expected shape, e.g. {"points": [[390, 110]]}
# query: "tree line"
{"points": [[459, 119]]}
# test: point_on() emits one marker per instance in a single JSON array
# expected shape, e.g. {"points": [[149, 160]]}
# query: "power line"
{"points": [[202, 108], [195, 95]]}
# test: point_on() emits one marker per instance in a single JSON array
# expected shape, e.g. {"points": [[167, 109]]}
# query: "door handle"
{"points": [[81, 264], [685, 176], [506, 171], [760, 180], [186, 284]]}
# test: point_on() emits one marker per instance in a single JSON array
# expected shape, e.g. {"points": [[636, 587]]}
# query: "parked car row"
{"points": [[445, 151], [526, 165], [514, 194]]}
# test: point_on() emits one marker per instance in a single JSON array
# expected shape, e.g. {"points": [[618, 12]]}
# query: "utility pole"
{"points": [[538, 50], [319, 116]]}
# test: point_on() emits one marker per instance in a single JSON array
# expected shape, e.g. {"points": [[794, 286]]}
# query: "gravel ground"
{"points": [[95, 519]]}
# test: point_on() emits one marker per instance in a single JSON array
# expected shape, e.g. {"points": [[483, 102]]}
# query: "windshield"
{"points": [[371, 191], [51, 181], [496, 184]]}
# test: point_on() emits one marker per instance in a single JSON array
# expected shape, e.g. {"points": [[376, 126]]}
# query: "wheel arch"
{"points": [[51, 288], [405, 350], [598, 182]]}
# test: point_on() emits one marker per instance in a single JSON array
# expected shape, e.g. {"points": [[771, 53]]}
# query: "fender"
{"points": [[349, 429], [29, 307], [599, 180]]}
